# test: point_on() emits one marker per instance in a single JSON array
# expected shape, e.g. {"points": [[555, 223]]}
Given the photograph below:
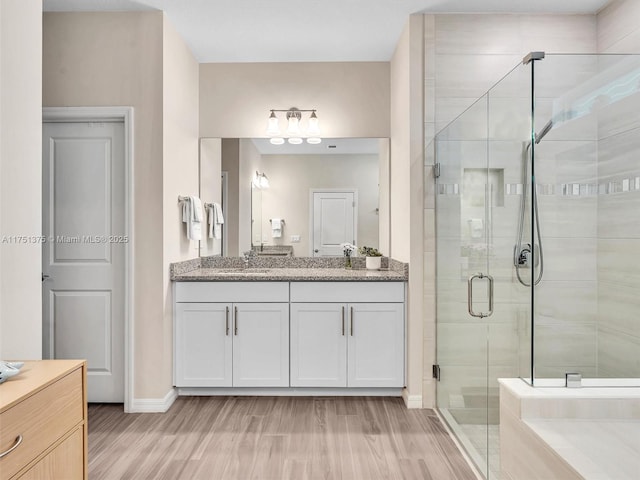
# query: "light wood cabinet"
{"points": [[43, 422]]}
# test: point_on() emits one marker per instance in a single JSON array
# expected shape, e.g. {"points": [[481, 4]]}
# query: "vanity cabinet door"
{"points": [[203, 345], [261, 345], [376, 345], [318, 345]]}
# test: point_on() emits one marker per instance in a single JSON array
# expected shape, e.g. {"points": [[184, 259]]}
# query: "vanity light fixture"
{"points": [[260, 180], [294, 132]]}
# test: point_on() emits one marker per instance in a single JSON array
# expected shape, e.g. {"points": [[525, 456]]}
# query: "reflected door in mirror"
{"points": [[334, 222]]}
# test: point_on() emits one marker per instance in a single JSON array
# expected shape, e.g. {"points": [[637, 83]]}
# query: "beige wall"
{"points": [[180, 176], [407, 163], [210, 187], [231, 165], [293, 176], [94, 59], [20, 178], [352, 98]]}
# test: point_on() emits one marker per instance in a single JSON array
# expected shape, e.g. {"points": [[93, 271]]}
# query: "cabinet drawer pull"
{"points": [[235, 316], [352, 321], [227, 321], [343, 320], [17, 443]]}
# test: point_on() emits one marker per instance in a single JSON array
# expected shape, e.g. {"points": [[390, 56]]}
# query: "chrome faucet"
{"points": [[247, 256]]}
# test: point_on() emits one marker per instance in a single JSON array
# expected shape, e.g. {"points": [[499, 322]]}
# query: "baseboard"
{"points": [[289, 391], [154, 405], [411, 401]]}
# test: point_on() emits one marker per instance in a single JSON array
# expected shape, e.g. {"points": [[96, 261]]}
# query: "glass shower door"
{"points": [[483, 312], [462, 286]]}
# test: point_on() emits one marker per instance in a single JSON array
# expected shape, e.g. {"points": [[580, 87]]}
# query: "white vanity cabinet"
{"points": [[347, 334], [231, 334], [203, 345]]}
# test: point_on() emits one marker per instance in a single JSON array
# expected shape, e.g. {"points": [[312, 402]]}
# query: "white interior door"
{"points": [[334, 222], [83, 180]]}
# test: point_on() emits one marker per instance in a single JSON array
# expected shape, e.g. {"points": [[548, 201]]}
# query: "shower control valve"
{"points": [[523, 254]]}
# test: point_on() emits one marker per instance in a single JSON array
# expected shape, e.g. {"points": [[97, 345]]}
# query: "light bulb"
{"points": [[314, 140], [276, 140], [273, 128], [295, 140], [314, 127], [294, 126]]}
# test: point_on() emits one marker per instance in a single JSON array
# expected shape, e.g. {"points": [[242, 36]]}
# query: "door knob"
{"points": [[45, 277], [316, 250]]}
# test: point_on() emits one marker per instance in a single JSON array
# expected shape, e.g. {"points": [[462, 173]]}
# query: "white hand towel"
{"points": [[210, 218], [276, 227], [192, 216], [218, 220], [215, 219]]}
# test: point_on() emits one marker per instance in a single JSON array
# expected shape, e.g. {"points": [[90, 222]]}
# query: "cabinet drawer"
{"points": [[347, 292], [66, 461], [228, 292], [41, 419]]}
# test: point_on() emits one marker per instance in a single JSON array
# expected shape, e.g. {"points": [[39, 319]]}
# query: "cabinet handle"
{"points": [[227, 321], [352, 321], [235, 316], [343, 320], [16, 444]]}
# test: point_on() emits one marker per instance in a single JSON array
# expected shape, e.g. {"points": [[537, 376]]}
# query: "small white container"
{"points": [[373, 263]]}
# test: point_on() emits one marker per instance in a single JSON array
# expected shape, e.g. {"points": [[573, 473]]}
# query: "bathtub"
{"points": [[553, 432]]}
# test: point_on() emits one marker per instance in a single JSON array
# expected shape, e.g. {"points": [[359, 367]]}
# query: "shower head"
{"points": [[546, 129]]}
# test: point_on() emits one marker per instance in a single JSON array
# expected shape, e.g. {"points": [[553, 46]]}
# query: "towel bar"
{"points": [[271, 220]]}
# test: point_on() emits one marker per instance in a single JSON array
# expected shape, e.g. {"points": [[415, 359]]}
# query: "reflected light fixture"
{"points": [[260, 180], [294, 132]]}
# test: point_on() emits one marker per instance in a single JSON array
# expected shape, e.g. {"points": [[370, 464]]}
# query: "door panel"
{"points": [[376, 345], [85, 317], [318, 345], [261, 345], [83, 182], [334, 222], [80, 198], [203, 338]]}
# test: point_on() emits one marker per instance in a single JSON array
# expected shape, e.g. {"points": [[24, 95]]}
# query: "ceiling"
{"points": [[306, 30]]}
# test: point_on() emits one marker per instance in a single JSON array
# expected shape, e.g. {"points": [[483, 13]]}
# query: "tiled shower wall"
{"points": [[464, 56], [619, 209]]}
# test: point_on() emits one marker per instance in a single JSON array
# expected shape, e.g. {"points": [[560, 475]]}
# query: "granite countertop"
{"points": [[285, 269], [289, 275]]}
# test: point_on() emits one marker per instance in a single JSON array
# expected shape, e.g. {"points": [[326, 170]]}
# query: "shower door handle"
{"points": [[470, 295]]}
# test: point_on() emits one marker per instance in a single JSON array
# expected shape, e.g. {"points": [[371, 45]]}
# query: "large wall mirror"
{"points": [[301, 200]]}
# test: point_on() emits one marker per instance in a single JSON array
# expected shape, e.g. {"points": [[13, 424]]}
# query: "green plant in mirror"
{"points": [[369, 251]]}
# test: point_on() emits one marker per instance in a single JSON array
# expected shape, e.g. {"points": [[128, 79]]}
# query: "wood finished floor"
{"points": [[297, 438]]}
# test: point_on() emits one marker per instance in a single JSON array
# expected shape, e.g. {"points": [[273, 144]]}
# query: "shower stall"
{"points": [[538, 238]]}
